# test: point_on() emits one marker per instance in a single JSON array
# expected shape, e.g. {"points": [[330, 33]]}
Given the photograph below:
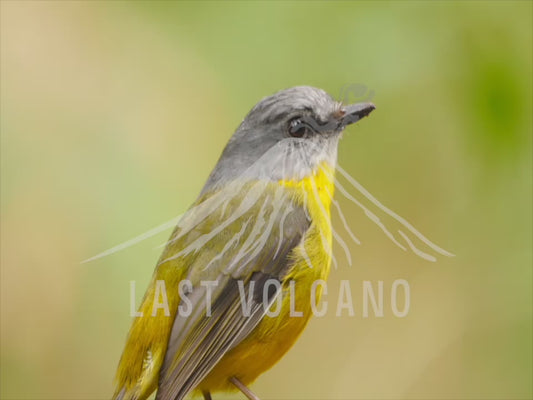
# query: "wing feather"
{"points": [[197, 341]]}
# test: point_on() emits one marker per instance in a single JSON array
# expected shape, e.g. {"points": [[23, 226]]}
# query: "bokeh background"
{"points": [[114, 113]]}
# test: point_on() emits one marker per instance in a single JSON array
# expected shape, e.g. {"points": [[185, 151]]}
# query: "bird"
{"points": [[260, 225]]}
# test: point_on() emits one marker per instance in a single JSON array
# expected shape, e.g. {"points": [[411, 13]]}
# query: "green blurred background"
{"points": [[114, 113]]}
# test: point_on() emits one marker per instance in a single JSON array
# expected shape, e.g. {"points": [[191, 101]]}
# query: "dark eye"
{"points": [[298, 128]]}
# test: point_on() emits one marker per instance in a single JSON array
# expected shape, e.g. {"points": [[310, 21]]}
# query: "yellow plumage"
{"points": [[272, 338]]}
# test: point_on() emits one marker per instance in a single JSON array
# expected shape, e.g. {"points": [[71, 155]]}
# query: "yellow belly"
{"points": [[274, 336]]}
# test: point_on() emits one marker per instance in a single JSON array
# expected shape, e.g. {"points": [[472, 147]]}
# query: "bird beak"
{"points": [[354, 112]]}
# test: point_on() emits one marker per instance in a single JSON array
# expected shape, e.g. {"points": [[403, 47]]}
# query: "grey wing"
{"points": [[198, 341]]}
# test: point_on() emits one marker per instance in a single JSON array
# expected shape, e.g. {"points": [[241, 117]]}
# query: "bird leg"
{"points": [[207, 395], [242, 387]]}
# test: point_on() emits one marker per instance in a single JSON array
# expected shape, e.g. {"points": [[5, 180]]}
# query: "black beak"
{"points": [[354, 112]]}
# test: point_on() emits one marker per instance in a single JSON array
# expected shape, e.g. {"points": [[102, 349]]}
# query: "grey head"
{"points": [[286, 136]]}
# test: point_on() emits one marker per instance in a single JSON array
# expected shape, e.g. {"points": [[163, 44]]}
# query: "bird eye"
{"points": [[298, 128]]}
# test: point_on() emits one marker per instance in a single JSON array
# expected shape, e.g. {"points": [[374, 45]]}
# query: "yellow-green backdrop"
{"points": [[113, 114]]}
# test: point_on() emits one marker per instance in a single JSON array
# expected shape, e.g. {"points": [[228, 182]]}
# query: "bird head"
{"points": [[286, 136]]}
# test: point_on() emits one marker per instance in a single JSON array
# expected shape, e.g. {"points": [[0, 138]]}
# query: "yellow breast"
{"points": [[274, 336]]}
